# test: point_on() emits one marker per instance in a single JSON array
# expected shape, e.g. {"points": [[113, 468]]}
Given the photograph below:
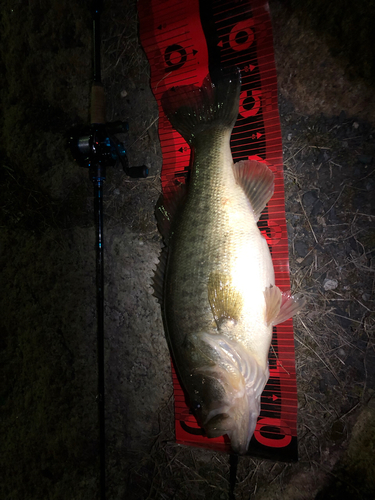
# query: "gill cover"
{"points": [[241, 382]]}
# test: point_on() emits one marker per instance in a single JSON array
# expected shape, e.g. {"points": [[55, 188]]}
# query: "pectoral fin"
{"points": [[225, 301], [280, 306]]}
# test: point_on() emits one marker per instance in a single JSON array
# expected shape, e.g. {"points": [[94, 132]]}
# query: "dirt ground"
{"points": [[49, 428]]}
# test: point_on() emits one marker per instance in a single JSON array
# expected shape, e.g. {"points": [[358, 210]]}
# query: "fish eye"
{"points": [[196, 406]]}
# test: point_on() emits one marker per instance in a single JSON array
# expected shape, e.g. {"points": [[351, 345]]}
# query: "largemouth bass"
{"points": [[216, 282]]}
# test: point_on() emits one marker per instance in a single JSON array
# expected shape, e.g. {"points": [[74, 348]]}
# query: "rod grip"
{"points": [[97, 103]]}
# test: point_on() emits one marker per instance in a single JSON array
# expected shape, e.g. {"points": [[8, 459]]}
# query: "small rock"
{"points": [[308, 260], [355, 125], [317, 208], [365, 159], [123, 93], [337, 431], [332, 217], [359, 202], [323, 157], [290, 230], [321, 221], [329, 284], [290, 137], [301, 248], [309, 199]]}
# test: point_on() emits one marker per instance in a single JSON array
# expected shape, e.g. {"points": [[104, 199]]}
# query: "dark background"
{"points": [[324, 55]]}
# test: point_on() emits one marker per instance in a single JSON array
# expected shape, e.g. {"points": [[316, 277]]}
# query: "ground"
{"points": [[324, 59]]}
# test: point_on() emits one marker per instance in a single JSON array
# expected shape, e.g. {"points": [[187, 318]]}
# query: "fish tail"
{"points": [[193, 110]]}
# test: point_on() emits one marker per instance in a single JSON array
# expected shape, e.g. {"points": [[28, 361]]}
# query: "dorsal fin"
{"points": [[257, 180]]}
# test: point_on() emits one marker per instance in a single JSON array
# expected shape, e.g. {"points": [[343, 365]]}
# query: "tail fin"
{"points": [[192, 110]]}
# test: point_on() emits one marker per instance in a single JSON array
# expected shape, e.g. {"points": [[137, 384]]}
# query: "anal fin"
{"points": [[167, 207]]}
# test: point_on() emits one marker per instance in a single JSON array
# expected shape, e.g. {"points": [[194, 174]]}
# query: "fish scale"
{"points": [[206, 219]]}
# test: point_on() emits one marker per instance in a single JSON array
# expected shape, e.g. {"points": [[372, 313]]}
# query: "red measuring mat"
{"points": [[183, 40]]}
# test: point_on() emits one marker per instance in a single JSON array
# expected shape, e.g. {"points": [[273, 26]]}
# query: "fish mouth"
{"points": [[238, 426], [234, 385], [237, 419]]}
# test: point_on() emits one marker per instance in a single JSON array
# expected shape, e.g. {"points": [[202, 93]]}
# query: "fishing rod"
{"points": [[97, 148]]}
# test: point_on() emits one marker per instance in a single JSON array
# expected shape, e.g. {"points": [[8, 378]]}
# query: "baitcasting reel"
{"points": [[98, 145]]}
